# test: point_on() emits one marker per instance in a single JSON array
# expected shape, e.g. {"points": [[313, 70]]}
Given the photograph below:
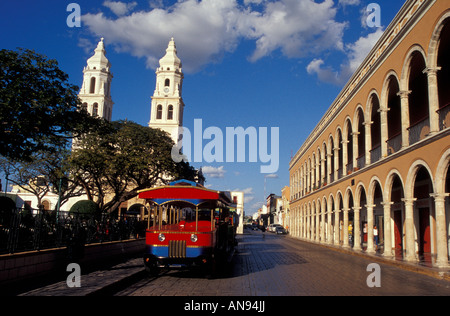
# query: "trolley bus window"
{"points": [[164, 218]]}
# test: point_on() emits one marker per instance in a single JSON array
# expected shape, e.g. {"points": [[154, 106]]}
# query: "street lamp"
{"points": [[6, 178]]}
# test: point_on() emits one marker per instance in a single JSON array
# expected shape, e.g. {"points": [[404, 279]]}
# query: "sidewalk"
{"points": [[95, 283], [423, 268]]}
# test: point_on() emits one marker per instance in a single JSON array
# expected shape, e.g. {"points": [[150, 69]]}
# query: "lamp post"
{"points": [[59, 200], [6, 185]]}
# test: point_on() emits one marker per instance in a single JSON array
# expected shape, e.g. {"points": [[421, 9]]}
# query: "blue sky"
{"points": [[248, 63]]}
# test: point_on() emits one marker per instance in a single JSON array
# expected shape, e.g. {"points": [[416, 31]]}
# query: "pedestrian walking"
{"points": [[375, 236]]}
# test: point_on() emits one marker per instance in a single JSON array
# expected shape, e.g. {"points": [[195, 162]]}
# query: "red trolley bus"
{"points": [[189, 225]]}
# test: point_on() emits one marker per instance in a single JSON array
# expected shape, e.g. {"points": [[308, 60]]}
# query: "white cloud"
{"points": [[205, 30], [326, 74], [356, 53], [296, 27], [120, 8], [214, 172], [349, 2], [359, 50]]}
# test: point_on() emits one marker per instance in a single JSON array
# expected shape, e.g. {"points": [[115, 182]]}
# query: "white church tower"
{"points": [[167, 103], [95, 92]]}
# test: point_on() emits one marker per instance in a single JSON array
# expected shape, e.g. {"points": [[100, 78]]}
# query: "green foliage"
{"points": [[39, 109], [117, 160], [120, 158], [86, 208]]}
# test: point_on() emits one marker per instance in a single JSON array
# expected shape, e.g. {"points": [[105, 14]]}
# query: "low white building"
{"points": [[238, 199], [26, 199]]}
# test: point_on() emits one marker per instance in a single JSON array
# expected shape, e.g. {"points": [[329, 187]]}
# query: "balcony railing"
{"points": [[361, 161], [339, 173], [375, 154], [349, 167], [394, 143], [419, 130], [444, 117]]}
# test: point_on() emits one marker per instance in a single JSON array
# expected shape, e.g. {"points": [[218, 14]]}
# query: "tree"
{"points": [[113, 163], [44, 173], [85, 208], [39, 109]]}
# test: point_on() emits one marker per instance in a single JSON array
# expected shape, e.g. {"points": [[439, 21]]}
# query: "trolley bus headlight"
{"points": [[194, 238], [161, 237]]}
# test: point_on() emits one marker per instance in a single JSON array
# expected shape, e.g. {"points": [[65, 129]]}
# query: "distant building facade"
{"points": [[238, 200], [374, 173]]}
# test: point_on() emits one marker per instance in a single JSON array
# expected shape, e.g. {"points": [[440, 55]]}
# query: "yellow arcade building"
{"points": [[373, 175]]}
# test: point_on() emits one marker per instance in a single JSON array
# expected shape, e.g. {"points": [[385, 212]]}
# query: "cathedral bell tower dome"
{"points": [[95, 92], [167, 103], [171, 59]]}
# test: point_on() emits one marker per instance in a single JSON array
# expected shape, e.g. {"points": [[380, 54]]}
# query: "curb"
{"points": [[438, 273]]}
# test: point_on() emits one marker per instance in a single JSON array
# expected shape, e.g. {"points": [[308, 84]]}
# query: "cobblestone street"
{"points": [[281, 266]]}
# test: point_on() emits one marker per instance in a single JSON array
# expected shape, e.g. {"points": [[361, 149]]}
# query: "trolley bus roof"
{"points": [[184, 191]]}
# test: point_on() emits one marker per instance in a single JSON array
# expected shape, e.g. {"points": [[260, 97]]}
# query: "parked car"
{"points": [[280, 230], [272, 227]]}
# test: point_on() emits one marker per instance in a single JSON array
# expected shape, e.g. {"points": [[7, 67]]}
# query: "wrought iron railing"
{"points": [[419, 130], [350, 167], [26, 230], [444, 117], [375, 153], [361, 161], [394, 143]]}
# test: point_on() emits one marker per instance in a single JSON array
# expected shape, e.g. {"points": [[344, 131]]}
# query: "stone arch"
{"points": [[360, 139], [406, 65], [391, 113], [330, 221], [394, 196], [442, 170], [339, 218], [340, 152], [373, 117], [374, 184], [347, 138], [438, 52], [411, 177], [442, 205], [433, 47], [415, 81], [323, 219], [389, 183], [330, 159]]}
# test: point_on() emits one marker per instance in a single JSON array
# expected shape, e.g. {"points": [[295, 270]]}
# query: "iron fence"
{"points": [[26, 230]]}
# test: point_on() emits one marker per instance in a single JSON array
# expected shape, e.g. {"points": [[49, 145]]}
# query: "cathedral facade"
{"points": [[95, 95]]}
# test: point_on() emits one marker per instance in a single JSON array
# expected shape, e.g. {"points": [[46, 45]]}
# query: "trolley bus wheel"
{"points": [[211, 271], [151, 268]]}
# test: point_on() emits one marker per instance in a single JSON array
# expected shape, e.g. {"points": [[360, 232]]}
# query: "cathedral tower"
{"points": [[167, 103], [95, 93]]}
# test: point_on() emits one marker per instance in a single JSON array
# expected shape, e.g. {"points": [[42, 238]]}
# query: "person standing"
{"points": [[375, 236]]}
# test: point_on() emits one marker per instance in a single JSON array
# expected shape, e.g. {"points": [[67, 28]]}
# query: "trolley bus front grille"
{"points": [[177, 249]]}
